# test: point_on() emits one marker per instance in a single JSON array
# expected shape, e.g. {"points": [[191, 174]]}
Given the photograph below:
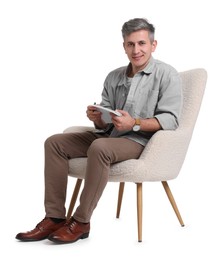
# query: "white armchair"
{"points": [[163, 156]]}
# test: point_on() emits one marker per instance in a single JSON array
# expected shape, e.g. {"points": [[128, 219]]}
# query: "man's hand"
{"points": [[95, 117], [93, 114], [124, 122]]}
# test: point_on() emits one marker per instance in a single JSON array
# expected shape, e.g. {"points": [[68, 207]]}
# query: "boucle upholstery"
{"points": [[163, 156]]}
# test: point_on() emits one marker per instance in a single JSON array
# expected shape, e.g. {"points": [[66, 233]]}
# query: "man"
{"points": [[148, 95]]}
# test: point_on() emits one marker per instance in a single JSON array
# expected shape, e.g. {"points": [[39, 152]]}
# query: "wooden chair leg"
{"points": [[120, 196], [74, 198], [172, 201], [139, 211]]}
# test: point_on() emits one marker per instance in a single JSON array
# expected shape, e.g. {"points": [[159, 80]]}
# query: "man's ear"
{"points": [[154, 44]]}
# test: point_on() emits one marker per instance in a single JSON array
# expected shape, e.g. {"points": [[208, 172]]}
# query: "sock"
{"points": [[81, 222], [57, 220]]}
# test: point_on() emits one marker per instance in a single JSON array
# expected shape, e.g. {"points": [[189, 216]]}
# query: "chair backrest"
{"points": [[166, 150], [193, 84]]}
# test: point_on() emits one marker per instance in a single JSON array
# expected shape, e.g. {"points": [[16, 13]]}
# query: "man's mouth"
{"points": [[136, 57]]}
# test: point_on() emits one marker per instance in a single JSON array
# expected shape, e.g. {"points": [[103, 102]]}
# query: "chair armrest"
{"points": [[73, 129]]}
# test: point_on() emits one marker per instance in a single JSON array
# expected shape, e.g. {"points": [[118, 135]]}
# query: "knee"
{"points": [[52, 140], [98, 147]]}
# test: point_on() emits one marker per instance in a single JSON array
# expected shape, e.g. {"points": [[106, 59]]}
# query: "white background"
{"points": [[54, 56]]}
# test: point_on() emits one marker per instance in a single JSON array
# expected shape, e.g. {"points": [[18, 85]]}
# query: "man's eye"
{"points": [[130, 44], [141, 43]]}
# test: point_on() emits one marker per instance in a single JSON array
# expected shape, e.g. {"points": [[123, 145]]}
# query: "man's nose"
{"points": [[136, 48]]}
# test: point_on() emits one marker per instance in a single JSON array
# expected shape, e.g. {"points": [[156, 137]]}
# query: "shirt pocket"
{"points": [[146, 104]]}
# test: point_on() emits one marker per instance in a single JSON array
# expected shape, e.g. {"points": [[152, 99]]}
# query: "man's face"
{"points": [[138, 48]]}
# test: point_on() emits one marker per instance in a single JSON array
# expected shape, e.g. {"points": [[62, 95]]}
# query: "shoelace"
{"points": [[40, 223], [71, 223]]}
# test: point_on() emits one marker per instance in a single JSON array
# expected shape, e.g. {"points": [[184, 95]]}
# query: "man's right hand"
{"points": [[95, 117], [93, 114]]}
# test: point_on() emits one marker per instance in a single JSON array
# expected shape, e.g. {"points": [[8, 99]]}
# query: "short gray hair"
{"points": [[137, 24]]}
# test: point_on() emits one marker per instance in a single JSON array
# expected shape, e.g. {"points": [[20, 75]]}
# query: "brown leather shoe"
{"points": [[41, 231], [70, 232]]}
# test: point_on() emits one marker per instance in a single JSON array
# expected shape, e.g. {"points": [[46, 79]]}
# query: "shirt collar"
{"points": [[149, 67], [147, 70]]}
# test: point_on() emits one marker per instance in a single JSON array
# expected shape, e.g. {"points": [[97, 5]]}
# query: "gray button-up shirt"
{"points": [[153, 92]]}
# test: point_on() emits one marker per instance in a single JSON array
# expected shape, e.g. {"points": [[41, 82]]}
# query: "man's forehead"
{"points": [[137, 36]]}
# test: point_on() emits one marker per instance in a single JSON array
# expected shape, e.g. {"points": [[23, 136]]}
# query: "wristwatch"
{"points": [[136, 126]]}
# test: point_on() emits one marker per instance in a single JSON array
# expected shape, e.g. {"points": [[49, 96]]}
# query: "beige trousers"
{"points": [[101, 151]]}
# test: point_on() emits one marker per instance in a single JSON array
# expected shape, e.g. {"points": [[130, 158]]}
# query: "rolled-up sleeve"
{"points": [[170, 101]]}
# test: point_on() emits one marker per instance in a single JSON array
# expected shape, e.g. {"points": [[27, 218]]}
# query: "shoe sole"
{"points": [[83, 236], [31, 239]]}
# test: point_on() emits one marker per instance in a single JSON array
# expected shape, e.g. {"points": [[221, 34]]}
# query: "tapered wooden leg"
{"points": [[120, 196], [172, 201], [74, 198], [139, 211]]}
